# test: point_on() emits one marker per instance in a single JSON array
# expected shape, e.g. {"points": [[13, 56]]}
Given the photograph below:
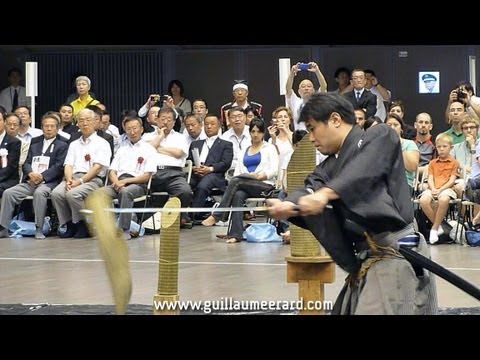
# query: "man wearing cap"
{"points": [[240, 95], [430, 82]]}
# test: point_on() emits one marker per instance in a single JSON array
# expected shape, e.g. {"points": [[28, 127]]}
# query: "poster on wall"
{"points": [[429, 82]]}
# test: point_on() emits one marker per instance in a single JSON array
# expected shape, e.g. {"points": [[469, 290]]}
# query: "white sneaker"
{"points": [[440, 230], [433, 236]]}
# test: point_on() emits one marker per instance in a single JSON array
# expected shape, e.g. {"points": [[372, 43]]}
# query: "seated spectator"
{"points": [[360, 116], [107, 127], [371, 121], [194, 128], [216, 157], [238, 135], [397, 107], [43, 171], [442, 173], [172, 151], [12, 124], [255, 173], [67, 129], [86, 163], [410, 151], [9, 158], [130, 171], [464, 152]]}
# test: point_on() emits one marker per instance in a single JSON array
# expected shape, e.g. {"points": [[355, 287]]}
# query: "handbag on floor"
{"points": [[261, 232], [20, 228]]}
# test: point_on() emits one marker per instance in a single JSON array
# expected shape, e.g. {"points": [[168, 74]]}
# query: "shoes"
{"points": [[433, 238], [248, 216], [223, 237], [39, 234], [232, 240], [71, 230], [4, 233], [126, 235], [82, 230], [185, 223]]}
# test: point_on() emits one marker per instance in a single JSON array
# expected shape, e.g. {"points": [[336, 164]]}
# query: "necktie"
{"points": [[358, 95], [15, 100]]}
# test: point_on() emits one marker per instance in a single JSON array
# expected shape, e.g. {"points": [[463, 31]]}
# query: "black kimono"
{"points": [[369, 176]]}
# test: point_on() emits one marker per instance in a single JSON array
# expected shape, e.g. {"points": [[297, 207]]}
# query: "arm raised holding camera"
{"points": [[313, 67], [151, 100]]}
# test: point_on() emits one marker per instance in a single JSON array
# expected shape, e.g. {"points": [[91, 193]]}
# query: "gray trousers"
{"points": [[15, 195], [390, 287], [125, 200], [69, 203]]}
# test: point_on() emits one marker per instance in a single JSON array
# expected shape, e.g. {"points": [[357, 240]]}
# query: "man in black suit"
{"points": [[9, 158], [43, 170], [361, 97], [216, 157]]}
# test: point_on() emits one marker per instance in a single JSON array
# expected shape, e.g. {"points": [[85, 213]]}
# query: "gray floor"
{"points": [[69, 271]]}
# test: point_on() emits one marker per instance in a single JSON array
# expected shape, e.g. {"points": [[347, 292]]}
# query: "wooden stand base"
{"points": [[311, 273]]}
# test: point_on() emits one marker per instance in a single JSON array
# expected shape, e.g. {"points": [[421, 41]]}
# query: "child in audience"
{"points": [[442, 173]]}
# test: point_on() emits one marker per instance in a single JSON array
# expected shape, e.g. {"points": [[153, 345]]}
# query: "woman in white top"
{"points": [[255, 173], [281, 135]]}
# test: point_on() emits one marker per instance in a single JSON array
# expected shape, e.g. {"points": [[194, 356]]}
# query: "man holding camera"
{"points": [[464, 94], [161, 101], [305, 90]]}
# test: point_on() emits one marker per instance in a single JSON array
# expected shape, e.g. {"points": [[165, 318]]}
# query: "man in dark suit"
{"points": [[9, 158], [361, 97], [216, 157], [43, 170]]}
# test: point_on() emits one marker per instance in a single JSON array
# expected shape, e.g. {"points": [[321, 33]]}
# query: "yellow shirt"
{"points": [[79, 104]]}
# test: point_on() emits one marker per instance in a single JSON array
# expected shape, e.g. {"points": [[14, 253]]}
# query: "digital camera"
{"points": [[155, 98], [303, 67], [461, 95]]}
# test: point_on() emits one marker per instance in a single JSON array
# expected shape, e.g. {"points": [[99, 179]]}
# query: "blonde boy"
{"points": [[442, 173]]}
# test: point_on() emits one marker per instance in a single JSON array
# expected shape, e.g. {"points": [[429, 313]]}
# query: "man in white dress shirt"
{"points": [[130, 170], [172, 151], [85, 167]]}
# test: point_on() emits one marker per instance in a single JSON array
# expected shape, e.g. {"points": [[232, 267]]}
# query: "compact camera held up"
{"points": [[156, 98], [303, 66], [461, 95]]}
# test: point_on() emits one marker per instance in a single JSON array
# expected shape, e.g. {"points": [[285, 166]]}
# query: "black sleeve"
{"points": [[226, 161], [13, 157]]}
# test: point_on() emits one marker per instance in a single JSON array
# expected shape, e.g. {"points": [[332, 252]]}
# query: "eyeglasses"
{"points": [[473, 127]]}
